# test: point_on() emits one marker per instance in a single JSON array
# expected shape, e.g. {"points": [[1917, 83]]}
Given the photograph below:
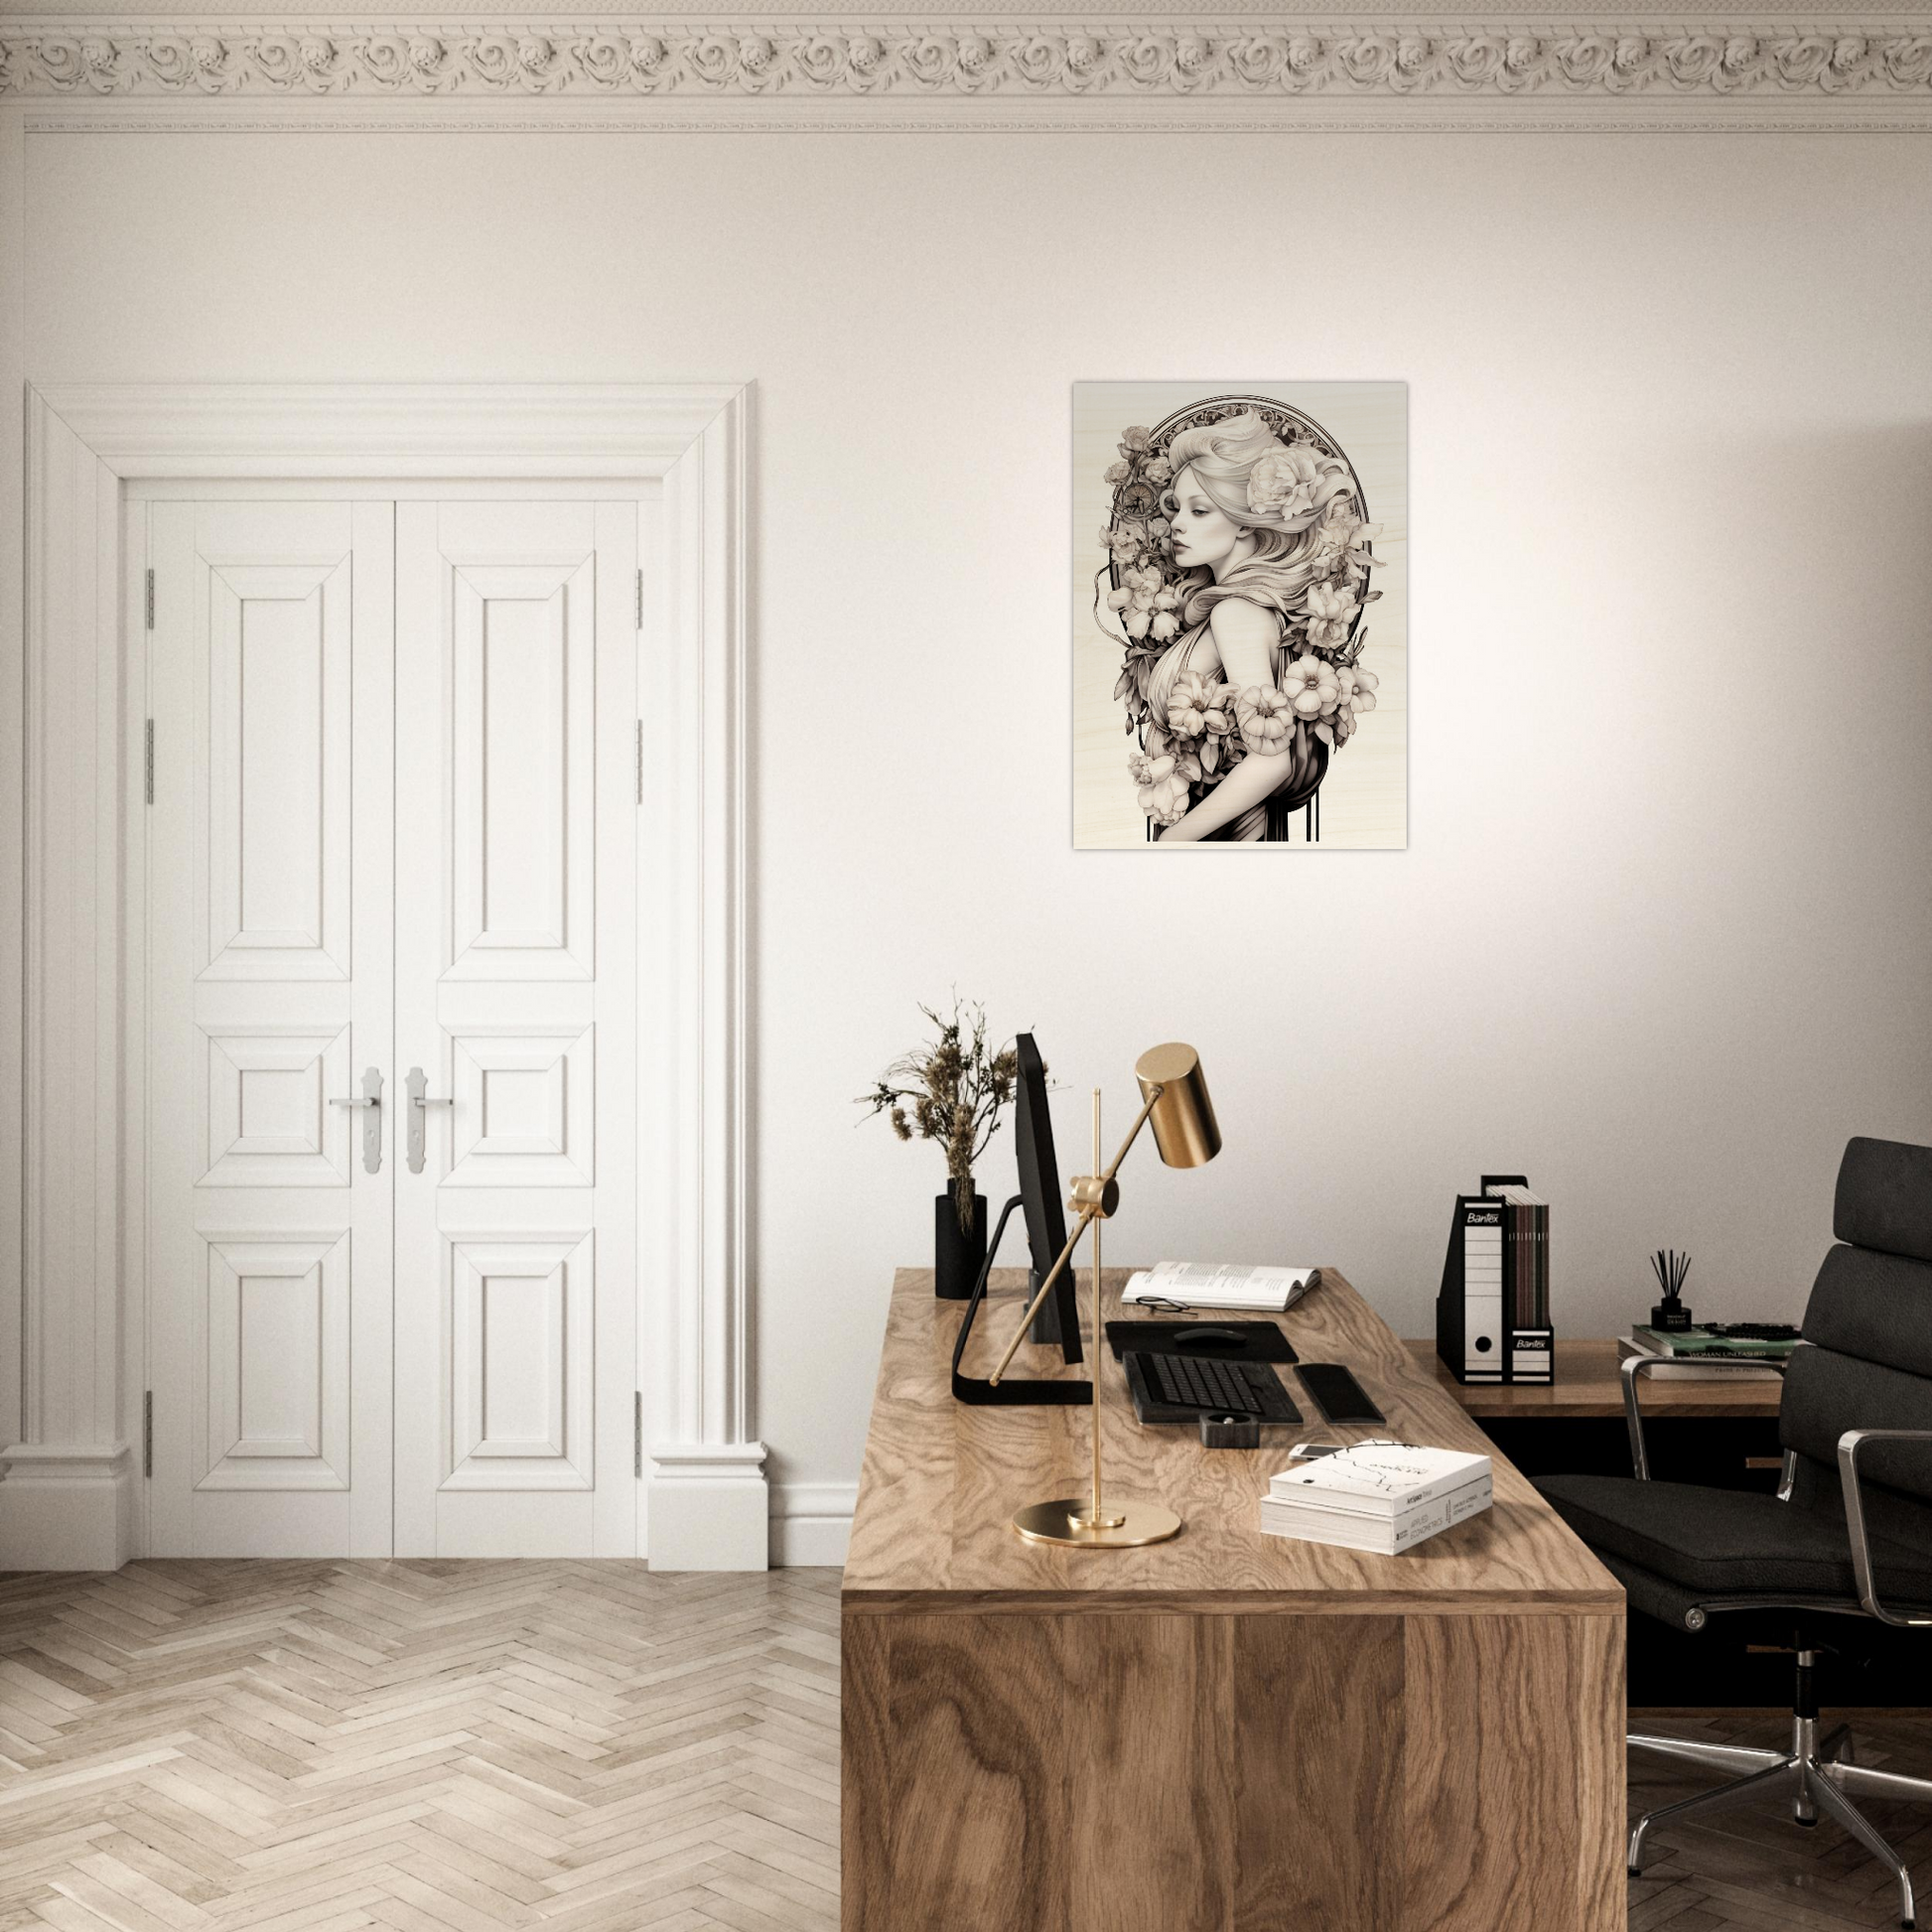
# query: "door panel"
{"points": [[521, 771], [270, 992], [516, 1243]]}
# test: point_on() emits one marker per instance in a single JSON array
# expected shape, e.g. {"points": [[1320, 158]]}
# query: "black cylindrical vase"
{"points": [[957, 1258]]}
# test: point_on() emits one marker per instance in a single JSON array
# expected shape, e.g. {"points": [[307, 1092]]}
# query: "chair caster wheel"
{"points": [[1633, 1872], [1807, 1823]]}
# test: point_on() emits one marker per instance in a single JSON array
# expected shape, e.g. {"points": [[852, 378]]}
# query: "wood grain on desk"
{"points": [[1227, 1732], [941, 1481], [1588, 1385]]}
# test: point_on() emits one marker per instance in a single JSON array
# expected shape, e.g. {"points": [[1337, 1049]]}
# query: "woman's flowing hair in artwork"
{"points": [[1279, 477]]}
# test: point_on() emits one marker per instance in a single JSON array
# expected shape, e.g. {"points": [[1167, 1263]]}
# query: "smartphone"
{"points": [[1337, 1393]]}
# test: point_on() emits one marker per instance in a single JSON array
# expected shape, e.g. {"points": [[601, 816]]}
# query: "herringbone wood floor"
{"points": [[569, 1747], [321, 1747], [1755, 1869]]}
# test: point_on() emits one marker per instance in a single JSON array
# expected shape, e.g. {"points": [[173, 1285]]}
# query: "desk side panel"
{"points": [[956, 1777], [1233, 1773], [1513, 1773], [1151, 1703], [1317, 1748]]}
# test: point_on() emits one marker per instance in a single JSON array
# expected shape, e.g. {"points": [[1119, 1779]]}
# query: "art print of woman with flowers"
{"points": [[1238, 577]]}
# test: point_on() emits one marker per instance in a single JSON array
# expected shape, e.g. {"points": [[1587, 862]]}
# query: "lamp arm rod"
{"points": [[1087, 1215], [1133, 1133]]}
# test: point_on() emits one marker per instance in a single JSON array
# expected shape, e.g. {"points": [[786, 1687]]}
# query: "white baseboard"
{"points": [[811, 1523], [710, 1507], [66, 1506]]}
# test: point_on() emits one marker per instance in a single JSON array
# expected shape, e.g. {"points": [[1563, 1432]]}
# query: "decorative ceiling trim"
{"points": [[951, 72]]}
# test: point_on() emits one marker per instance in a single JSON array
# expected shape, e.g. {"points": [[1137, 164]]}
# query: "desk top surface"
{"points": [[941, 1480], [1588, 1385]]}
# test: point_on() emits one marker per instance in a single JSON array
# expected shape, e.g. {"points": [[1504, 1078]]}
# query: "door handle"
{"points": [[370, 1098], [417, 1081]]}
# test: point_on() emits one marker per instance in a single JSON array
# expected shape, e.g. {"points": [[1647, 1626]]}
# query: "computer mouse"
{"points": [[1206, 1337]]}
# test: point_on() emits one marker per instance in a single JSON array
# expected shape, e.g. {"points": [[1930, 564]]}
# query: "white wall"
{"points": [[1660, 935]]}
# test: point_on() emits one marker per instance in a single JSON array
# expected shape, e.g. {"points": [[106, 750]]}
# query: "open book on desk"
{"points": [[1212, 1284]]}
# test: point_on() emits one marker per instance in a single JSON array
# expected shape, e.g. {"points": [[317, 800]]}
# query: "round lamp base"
{"points": [[1065, 1521]]}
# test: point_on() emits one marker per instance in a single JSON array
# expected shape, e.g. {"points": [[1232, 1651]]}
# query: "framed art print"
{"points": [[1240, 659]]}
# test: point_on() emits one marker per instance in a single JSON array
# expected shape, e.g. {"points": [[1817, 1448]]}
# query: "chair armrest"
{"points": [[1635, 1366], [1848, 1445]]}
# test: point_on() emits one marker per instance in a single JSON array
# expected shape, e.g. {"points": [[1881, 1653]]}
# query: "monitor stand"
{"points": [[1011, 1390]]}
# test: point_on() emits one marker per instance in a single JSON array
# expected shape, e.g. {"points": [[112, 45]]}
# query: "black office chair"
{"points": [[1849, 1534]]}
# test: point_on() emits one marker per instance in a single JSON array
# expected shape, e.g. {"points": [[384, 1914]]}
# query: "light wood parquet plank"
{"points": [[315, 1746]]}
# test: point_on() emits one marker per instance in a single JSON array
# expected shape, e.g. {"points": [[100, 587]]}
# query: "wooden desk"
{"points": [[1588, 1385], [1228, 1732]]}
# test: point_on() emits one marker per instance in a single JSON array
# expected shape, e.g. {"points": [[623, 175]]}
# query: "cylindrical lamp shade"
{"points": [[1184, 1128]]}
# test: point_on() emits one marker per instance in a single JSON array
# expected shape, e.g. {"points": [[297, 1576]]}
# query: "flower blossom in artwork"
{"points": [[1188, 704], [1122, 539], [1158, 469], [1339, 545], [1266, 719], [1354, 693], [1139, 599], [1293, 486], [1356, 687], [1200, 714], [1309, 686], [1133, 441], [1115, 473], [1162, 789], [1330, 612]]}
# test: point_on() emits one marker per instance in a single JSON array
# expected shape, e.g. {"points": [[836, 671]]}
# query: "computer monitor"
{"points": [[1039, 1194], [1039, 1199]]}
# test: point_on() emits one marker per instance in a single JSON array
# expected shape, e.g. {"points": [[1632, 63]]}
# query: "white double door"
{"points": [[390, 859]]}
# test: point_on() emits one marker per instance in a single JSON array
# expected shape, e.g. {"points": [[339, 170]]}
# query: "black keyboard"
{"points": [[1207, 1387]]}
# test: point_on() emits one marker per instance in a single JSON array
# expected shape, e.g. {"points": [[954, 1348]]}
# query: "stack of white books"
{"points": [[1385, 1498]]}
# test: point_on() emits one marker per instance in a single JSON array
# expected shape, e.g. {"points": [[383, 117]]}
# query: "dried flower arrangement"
{"points": [[950, 1091]]}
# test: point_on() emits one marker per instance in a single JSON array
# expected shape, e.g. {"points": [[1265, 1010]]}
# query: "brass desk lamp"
{"points": [[1175, 1097]]}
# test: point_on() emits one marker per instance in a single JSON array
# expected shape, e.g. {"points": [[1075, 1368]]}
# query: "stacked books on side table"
{"points": [[1381, 1496], [1690, 1354]]}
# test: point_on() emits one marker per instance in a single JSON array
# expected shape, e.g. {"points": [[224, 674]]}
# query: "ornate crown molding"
{"points": [[1883, 72]]}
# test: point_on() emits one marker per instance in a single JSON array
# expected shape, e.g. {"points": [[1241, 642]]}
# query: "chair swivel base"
{"points": [[1818, 1775]]}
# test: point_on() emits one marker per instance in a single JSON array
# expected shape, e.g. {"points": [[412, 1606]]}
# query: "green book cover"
{"points": [[1701, 1341]]}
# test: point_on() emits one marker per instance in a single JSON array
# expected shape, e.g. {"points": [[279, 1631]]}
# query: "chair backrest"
{"points": [[1870, 1327]]}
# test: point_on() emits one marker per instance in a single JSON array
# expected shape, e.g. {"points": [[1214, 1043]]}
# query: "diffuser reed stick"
{"points": [[1670, 1267]]}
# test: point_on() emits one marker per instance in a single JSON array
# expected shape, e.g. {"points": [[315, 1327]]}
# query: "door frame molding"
{"points": [[71, 1448]]}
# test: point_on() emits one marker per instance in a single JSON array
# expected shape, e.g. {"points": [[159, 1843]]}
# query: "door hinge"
{"points": [[147, 1434], [640, 761], [641, 597], [150, 599], [637, 1434], [148, 762]]}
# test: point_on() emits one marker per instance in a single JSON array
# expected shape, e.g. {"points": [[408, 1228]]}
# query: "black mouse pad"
{"points": [[1216, 1341]]}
